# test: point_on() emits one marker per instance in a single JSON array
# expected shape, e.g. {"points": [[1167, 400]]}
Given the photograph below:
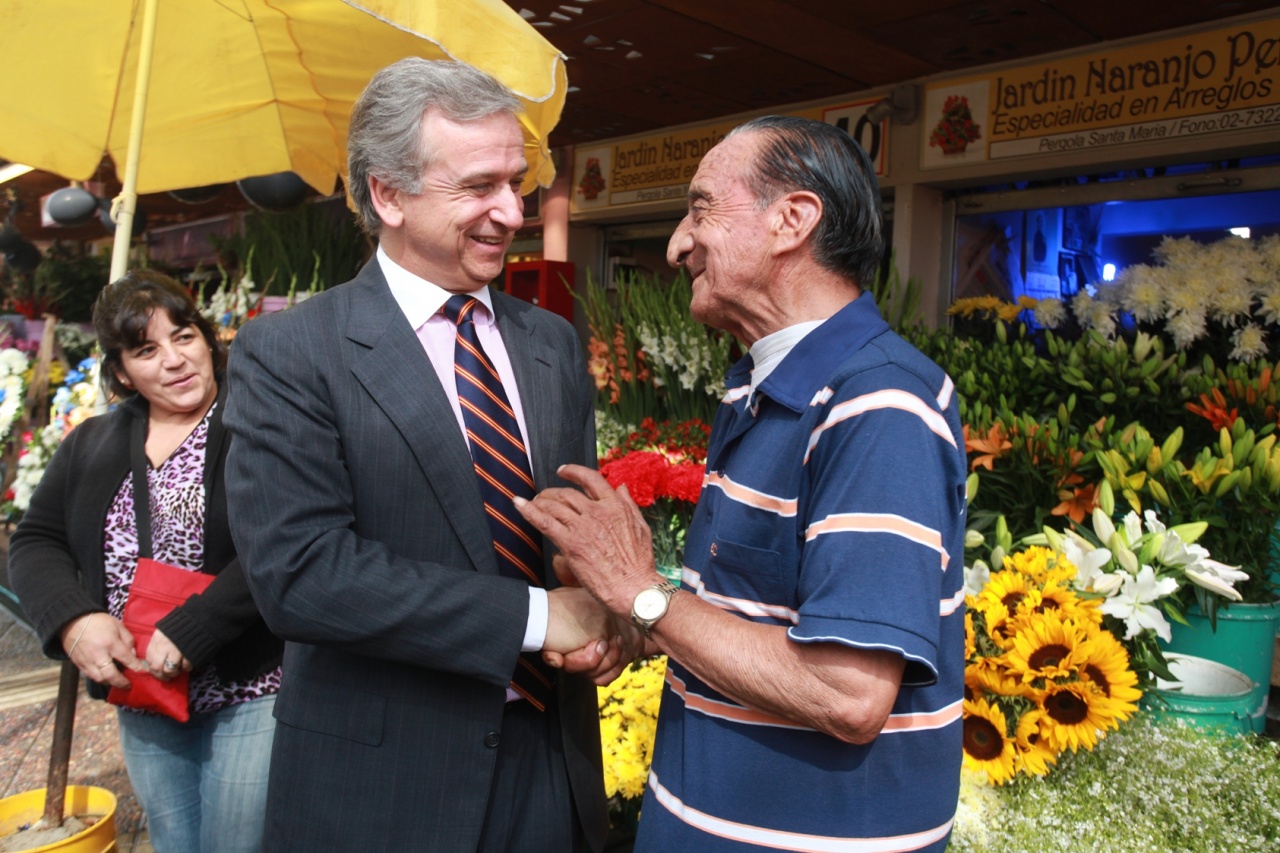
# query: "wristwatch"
{"points": [[651, 604]]}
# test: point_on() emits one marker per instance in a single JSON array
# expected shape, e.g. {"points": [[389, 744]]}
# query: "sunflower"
{"points": [[987, 746], [1006, 588], [1060, 597], [1074, 715], [1107, 667], [1035, 563], [970, 640], [992, 675], [1034, 754], [1047, 647]]}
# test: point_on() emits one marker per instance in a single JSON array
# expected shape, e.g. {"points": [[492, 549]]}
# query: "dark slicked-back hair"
{"points": [[804, 154], [123, 311]]}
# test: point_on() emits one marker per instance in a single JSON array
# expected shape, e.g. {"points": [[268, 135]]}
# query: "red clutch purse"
{"points": [[157, 589]]}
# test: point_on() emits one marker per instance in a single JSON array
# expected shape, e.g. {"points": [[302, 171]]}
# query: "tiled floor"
{"points": [[28, 687]]}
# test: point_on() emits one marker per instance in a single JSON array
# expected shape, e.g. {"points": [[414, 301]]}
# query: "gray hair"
{"points": [[805, 154], [385, 136]]}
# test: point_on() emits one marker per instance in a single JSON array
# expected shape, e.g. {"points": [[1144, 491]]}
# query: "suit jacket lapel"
{"points": [[396, 372]]}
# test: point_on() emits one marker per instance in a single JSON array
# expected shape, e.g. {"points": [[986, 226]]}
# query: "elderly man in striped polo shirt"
{"points": [[813, 697]]}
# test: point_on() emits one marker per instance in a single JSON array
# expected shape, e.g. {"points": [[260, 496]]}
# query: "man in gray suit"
{"points": [[359, 515]]}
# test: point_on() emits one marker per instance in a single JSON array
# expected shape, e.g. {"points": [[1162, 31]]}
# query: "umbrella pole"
{"points": [[64, 718], [128, 199]]}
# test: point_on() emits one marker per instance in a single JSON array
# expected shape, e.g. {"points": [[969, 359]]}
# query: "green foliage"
{"points": [[649, 357], [1150, 787], [1232, 484], [74, 278], [899, 303], [312, 247]]}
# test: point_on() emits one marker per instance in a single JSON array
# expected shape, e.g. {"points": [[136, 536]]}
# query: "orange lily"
{"points": [[1214, 410], [1076, 503], [992, 447]]}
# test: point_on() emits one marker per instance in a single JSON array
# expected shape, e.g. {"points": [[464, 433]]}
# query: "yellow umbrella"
{"points": [[187, 93]]}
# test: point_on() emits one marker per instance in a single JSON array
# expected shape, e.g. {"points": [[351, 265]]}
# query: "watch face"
{"points": [[650, 604]]}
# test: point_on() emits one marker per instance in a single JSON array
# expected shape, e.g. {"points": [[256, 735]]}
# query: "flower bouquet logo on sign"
{"points": [[956, 128], [592, 183]]}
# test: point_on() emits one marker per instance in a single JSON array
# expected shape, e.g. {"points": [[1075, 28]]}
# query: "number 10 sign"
{"points": [[873, 136]]}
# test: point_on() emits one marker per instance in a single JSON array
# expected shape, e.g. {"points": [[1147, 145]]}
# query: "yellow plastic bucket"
{"points": [[28, 807]]}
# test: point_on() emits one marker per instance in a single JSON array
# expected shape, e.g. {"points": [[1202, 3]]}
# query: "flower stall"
{"points": [[1125, 483]]}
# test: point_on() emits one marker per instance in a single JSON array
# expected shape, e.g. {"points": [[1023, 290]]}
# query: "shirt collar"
{"points": [[768, 352], [813, 359], [419, 299]]}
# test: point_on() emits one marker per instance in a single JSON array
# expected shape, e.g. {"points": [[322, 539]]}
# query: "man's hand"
{"points": [[95, 642], [604, 541], [584, 638]]}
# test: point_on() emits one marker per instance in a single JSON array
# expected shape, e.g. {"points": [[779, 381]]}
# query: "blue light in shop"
{"points": [[1108, 272]]}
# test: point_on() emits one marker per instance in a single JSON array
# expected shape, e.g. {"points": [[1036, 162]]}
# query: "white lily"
{"points": [[1213, 583], [972, 538], [1088, 563], [1132, 527], [1154, 524], [1133, 603], [1128, 560], [1102, 525], [1174, 552], [976, 577], [1108, 583]]}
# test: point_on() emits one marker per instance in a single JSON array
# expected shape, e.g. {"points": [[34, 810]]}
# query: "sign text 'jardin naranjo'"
{"points": [[1213, 82]]}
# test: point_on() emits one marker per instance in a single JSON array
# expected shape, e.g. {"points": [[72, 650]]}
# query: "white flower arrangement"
{"points": [[1195, 291], [74, 401], [14, 365], [1137, 571], [32, 461], [691, 357]]}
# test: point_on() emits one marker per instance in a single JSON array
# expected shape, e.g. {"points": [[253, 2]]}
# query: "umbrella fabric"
{"points": [[242, 87]]}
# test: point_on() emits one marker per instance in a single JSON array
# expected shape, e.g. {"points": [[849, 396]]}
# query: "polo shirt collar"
{"points": [[811, 363]]}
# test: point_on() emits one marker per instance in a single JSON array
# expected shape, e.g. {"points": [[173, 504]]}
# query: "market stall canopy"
{"points": [[242, 87]]}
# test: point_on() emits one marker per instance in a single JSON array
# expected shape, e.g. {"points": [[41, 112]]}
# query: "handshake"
{"points": [[605, 559]]}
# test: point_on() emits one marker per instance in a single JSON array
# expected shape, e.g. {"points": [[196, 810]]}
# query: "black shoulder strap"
{"points": [[139, 464]]}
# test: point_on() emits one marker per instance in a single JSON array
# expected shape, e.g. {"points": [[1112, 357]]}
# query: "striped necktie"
{"points": [[502, 469]]}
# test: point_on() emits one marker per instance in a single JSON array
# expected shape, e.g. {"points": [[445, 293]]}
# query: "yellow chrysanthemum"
{"points": [[628, 721], [987, 745], [1034, 754], [1046, 647]]}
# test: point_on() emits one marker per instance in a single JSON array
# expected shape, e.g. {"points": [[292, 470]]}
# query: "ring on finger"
{"points": [[169, 666]]}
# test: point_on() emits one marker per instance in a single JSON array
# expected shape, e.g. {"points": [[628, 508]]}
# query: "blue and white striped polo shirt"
{"points": [[836, 509]]}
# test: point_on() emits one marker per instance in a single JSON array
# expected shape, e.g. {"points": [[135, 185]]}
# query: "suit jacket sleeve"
{"points": [[323, 498]]}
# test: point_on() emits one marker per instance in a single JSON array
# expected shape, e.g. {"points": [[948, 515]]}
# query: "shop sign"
{"points": [[1223, 81], [658, 168]]}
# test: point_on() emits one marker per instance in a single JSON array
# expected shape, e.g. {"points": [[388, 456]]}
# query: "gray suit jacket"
{"points": [[357, 517]]}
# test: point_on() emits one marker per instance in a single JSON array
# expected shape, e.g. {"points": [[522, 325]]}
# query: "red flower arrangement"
{"points": [[661, 465], [956, 129]]}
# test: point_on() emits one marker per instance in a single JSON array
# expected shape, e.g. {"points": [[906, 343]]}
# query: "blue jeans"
{"points": [[203, 783]]}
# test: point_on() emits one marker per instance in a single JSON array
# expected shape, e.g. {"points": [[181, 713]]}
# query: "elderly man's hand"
{"points": [[604, 541]]}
